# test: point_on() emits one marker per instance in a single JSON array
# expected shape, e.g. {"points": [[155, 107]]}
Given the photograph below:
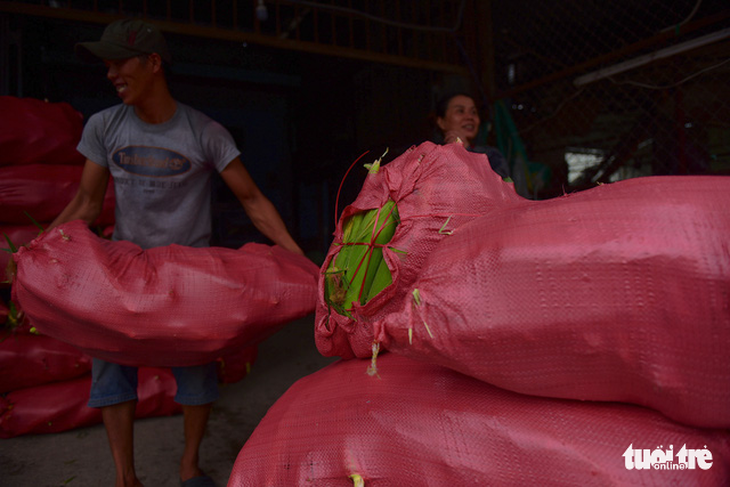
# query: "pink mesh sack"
{"points": [[34, 131], [18, 235], [426, 425], [43, 191], [618, 293], [436, 189], [236, 365], [61, 406], [28, 360], [165, 306]]}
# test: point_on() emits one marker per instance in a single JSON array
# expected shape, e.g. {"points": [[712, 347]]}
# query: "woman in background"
{"points": [[458, 120]]}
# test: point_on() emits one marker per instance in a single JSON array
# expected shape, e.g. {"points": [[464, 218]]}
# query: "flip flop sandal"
{"points": [[202, 481]]}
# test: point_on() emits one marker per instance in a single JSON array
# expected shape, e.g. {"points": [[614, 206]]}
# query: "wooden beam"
{"points": [[79, 15]]}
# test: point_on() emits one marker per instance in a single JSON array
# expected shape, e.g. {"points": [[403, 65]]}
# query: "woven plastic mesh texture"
{"points": [[619, 293], [61, 406], [165, 306], [28, 360], [426, 425], [33, 131], [437, 189], [18, 235], [43, 191]]}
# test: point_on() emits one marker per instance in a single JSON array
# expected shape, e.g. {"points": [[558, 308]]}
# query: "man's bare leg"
{"points": [[119, 424], [196, 421]]}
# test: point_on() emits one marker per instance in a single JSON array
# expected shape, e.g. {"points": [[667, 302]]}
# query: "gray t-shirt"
{"points": [[161, 172]]}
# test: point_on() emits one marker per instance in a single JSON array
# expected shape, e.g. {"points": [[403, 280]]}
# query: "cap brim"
{"points": [[93, 52]]}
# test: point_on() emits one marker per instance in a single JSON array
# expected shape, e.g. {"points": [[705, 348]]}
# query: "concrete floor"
{"points": [[81, 458]]}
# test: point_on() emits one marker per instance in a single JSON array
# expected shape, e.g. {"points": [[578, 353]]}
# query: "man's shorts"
{"points": [[113, 384]]}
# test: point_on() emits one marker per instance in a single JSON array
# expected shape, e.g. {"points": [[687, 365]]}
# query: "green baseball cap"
{"points": [[124, 39]]}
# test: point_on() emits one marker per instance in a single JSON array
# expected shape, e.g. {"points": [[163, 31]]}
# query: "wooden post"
{"points": [[483, 58]]}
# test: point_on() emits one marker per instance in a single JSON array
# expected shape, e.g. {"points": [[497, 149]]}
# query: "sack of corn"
{"points": [[380, 242], [61, 406], [164, 306], [617, 293], [236, 365], [34, 131], [28, 360], [12, 236], [426, 425], [43, 191]]}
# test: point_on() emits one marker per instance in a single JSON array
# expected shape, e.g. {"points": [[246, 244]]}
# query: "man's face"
{"points": [[131, 78], [461, 117]]}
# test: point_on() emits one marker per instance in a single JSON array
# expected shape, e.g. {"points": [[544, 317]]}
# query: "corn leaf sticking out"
{"points": [[34, 222], [12, 247], [10, 269]]}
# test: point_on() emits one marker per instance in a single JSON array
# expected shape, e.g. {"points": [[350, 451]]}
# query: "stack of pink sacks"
{"points": [[44, 381], [575, 341], [40, 168], [45, 385]]}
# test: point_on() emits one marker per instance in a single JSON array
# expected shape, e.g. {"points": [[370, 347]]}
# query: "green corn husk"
{"points": [[359, 273], [382, 278], [375, 281]]}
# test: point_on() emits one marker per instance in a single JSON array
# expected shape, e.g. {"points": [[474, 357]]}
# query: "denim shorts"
{"points": [[113, 384]]}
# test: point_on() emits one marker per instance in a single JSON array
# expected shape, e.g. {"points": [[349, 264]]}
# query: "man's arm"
{"points": [[89, 199], [259, 209]]}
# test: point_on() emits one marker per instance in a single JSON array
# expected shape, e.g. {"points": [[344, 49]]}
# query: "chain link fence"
{"points": [[598, 92], [584, 91]]}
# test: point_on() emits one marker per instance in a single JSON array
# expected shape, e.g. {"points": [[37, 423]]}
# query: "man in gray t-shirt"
{"points": [[161, 172], [160, 154]]}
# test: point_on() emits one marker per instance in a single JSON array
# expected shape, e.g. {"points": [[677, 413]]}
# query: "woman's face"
{"points": [[461, 118]]}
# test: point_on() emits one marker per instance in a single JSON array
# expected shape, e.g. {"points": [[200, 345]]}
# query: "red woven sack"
{"points": [[436, 188], [236, 365], [61, 406], [165, 306], [18, 235], [12, 321], [33, 131], [618, 293], [31, 360], [43, 191], [426, 425]]}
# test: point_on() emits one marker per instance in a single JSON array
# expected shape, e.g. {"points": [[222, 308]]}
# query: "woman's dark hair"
{"points": [[443, 103]]}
